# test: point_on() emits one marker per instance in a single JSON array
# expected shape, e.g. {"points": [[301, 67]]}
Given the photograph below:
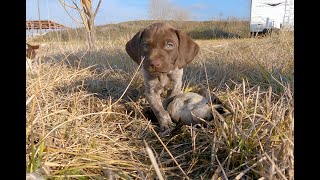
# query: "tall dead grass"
{"points": [[74, 131], [219, 29]]}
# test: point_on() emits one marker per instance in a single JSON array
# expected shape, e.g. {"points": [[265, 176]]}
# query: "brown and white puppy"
{"points": [[30, 54], [164, 50]]}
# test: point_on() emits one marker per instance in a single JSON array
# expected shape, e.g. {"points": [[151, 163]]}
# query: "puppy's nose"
{"points": [[155, 64]]}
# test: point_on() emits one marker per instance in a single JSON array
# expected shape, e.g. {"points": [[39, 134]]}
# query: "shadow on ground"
{"points": [[211, 34], [112, 71]]}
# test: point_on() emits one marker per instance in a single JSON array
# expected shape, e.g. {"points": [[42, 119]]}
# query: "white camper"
{"points": [[268, 15]]}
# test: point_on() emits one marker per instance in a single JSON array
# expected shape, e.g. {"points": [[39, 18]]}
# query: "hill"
{"points": [[195, 29]]}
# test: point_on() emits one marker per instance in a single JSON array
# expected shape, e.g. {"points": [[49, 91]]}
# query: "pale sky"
{"points": [[115, 11]]}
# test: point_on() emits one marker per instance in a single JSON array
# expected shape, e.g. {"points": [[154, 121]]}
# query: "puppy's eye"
{"points": [[145, 45], [169, 45]]}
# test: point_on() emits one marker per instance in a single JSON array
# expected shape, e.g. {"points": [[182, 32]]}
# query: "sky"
{"points": [[115, 11]]}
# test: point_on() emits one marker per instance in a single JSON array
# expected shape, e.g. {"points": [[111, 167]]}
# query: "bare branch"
{"points": [[65, 4], [165, 10], [84, 22], [64, 7], [75, 4], [81, 14], [98, 6], [86, 6], [87, 15], [80, 11]]}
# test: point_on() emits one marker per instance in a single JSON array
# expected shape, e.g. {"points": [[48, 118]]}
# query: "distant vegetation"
{"points": [[232, 28]]}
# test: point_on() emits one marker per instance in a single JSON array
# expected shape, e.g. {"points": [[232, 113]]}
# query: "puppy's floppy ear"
{"points": [[133, 47], [33, 46], [31, 53], [187, 48]]}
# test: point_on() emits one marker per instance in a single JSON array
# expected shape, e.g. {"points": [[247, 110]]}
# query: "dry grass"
{"points": [[76, 131], [196, 29]]}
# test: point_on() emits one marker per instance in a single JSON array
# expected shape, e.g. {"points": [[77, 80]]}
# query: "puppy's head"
{"points": [[163, 47]]}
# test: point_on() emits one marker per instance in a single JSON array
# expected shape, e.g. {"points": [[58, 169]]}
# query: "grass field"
{"points": [[86, 113], [195, 29]]}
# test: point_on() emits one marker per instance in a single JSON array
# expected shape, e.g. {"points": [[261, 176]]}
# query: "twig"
{"points": [[224, 173], [64, 7], [165, 147], [153, 161], [246, 170], [98, 6], [134, 75]]}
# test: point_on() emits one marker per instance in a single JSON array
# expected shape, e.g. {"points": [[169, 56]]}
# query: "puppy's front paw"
{"points": [[166, 126], [166, 132]]}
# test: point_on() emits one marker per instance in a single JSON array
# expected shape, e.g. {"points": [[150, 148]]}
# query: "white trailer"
{"points": [[268, 15]]}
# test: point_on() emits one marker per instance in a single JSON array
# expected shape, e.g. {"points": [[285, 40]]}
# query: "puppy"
{"points": [[164, 51]]}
